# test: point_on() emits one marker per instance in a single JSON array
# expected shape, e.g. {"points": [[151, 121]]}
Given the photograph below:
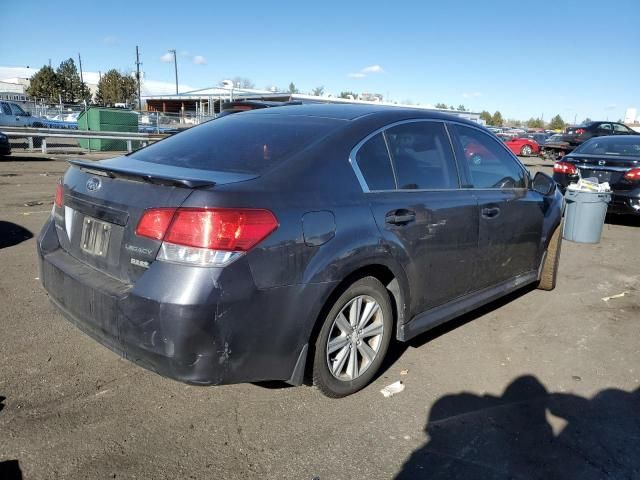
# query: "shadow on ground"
{"points": [[10, 470], [12, 234], [528, 432], [397, 349]]}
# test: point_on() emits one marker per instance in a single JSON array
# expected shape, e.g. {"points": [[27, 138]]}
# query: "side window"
{"points": [[605, 128], [490, 164], [5, 109], [17, 110], [374, 163], [422, 156], [618, 128]]}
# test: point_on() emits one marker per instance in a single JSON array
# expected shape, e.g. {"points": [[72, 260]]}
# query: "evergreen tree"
{"points": [[44, 85]]}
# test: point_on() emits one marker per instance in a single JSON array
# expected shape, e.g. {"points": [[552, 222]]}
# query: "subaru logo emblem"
{"points": [[93, 184], [601, 162]]}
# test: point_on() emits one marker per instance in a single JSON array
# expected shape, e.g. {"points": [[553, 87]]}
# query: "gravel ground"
{"points": [[538, 385]]}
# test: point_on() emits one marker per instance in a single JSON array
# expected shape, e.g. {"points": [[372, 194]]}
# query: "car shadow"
{"points": [[397, 349], [12, 234], [10, 470], [529, 432]]}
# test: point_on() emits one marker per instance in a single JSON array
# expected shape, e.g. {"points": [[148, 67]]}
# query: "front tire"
{"points": [[526, 150], [354, 339], [549, 275]]}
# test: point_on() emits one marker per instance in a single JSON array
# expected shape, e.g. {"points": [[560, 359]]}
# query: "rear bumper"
{"points": [[193, 331], [625, 202]]}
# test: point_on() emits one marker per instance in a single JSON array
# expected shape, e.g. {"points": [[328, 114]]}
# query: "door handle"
{"points": [[400, 217], [492, 212]]}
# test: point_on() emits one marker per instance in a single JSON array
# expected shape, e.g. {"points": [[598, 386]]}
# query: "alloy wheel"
{"points": [[355, 338]]}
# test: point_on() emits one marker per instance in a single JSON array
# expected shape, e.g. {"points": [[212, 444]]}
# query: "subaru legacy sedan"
{"points": [[295, 243]]}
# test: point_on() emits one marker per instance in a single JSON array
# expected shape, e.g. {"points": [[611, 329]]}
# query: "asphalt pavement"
{"points": [[537, 385]]}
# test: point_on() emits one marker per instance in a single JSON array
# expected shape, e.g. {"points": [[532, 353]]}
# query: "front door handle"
{"points": [[491, 212], [400, 217]]}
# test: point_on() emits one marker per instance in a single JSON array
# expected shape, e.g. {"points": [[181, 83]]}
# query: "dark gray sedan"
{"points": [[295, 242]]}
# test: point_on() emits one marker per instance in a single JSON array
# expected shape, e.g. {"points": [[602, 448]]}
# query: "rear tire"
{"points": [[549, 274], [354, 339]]}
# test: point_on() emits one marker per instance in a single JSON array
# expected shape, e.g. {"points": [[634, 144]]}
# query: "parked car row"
{"points": [[562, 144]]}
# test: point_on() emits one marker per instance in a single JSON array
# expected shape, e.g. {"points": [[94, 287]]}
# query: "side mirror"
{"points": [[543, 184]]}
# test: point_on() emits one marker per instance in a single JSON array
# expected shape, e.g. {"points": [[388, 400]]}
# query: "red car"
{"points": [[521, 146]]}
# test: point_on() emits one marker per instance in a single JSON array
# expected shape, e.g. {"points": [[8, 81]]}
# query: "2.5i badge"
{"points": [[140, 263]]}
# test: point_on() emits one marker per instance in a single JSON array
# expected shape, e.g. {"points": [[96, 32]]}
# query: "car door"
{"points": [[619, 129], [604, 129], [426, 220], [510, 214], [21, 117], [6, 115]]}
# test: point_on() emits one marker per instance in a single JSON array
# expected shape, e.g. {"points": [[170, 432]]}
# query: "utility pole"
{"points": [[175, 66], [81, 77], [138, 63]]}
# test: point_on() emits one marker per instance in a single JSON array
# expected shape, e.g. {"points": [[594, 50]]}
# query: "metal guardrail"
{"points": [[43, 133]]}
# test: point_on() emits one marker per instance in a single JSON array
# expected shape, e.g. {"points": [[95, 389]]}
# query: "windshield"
{"points": [[243, 143], [627, 146]]}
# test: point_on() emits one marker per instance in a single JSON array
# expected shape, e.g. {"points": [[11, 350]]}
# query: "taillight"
{"points": [[59, 200], [205, 236], [154, 223], [633, 174], [565, 167], [579, 131]]}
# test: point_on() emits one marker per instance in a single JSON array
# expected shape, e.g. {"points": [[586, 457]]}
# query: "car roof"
{"points": [[354, 111]]}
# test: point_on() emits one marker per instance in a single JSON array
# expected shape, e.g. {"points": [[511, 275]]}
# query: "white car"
{"points": [[12, 115]]}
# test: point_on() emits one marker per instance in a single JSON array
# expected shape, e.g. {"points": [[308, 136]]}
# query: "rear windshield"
{"points": [[243, 143], [623, 145]]}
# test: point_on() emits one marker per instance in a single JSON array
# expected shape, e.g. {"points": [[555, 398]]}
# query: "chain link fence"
{"points": [[64, 116]]}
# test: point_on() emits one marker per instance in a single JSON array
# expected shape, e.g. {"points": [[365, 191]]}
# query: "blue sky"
{"points": [[524, 58]]}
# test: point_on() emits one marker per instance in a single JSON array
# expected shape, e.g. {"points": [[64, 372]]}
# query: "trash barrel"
{"points": [[584, 216]]}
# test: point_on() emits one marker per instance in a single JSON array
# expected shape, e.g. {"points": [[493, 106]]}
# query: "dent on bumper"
{"points": [[230, 333]]}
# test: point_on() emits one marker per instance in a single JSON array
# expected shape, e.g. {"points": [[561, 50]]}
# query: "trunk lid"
{"points": [[606, 168], [103, 202]]}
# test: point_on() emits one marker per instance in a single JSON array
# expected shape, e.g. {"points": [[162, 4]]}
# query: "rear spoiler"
{"points": [[158, 177]]}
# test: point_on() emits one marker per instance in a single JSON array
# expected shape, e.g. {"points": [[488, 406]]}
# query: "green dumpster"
{"points": [[98, 119]]}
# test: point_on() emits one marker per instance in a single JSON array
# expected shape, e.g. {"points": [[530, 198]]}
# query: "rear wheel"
{"points": [[549, 273], [526, 150], [354, 339]]}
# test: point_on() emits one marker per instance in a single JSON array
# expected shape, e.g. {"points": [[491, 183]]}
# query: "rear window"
{"points": [[242, 143], [625, 146]]}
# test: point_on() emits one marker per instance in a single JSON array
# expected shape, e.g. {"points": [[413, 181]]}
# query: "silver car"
{"points": [[12, 115]]}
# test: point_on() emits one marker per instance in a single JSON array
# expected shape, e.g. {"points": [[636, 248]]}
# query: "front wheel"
{"points": [[354, 339], [526, 150]]}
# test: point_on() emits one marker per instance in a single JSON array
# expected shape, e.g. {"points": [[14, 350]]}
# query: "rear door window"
{"points": [[605, 129], [489, 163], [5, 108], [375, 165], [422, 156], [241, 143]]}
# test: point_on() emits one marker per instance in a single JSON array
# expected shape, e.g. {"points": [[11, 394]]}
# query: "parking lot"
{"points": [[538, 385]]}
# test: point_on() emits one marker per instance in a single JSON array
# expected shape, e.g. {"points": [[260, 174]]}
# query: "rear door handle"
{"points": [[492, 212], [400, 217]]}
